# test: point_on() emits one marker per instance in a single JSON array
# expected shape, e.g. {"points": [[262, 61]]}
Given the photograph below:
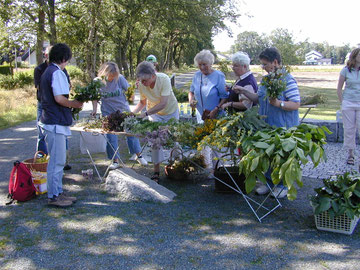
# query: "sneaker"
{"points": [[262, 190], [62, 196], [114, 166], [279, 192], [56, 201], [67, 167], [141, 160], [133, 157]]}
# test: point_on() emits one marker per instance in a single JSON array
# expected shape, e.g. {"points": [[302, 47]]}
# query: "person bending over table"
{"points": [[56, 120], [280, 112], [207, 94], [235, 102], [157, 95], [113, 99], [350, 102]]}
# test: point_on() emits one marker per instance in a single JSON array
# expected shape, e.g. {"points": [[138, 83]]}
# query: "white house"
{"points": [[313, 55], [315, 58]]}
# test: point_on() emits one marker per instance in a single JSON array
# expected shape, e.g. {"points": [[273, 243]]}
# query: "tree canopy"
{"points": [[119, 30]]}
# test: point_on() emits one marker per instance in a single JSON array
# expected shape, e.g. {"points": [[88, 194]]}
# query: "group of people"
{"points": [[208, 93]]}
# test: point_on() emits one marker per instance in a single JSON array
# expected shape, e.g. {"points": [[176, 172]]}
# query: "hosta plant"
{"points": [[339, 195], [283, 151]]}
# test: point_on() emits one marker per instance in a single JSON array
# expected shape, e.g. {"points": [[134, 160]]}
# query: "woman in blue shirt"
{"points": [[207, 91], [280, 112]]}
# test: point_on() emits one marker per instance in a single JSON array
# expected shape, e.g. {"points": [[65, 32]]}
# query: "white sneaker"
{"points": [[133, 157], [262, 190], [279, 192], [114, 166], [141, 160]]}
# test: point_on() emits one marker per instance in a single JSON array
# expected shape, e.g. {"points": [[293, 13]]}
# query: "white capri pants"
{"points": [[351, 119]]}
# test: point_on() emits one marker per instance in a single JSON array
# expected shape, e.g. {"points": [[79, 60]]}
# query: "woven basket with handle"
{"points": [[32, 165]]}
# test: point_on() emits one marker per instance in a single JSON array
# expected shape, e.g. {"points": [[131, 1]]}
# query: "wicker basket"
{"points": [[32, 165], [176, 174], [340, 224]]}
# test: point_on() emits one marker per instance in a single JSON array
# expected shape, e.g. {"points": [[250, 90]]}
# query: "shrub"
{"points": [[19, 80], [75, 72], [23, 78], [7, 82], [181, 95], [224, 68], [5, 70]]}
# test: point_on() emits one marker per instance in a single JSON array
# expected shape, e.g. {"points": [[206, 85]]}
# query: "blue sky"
{"points": [[318, 20]]}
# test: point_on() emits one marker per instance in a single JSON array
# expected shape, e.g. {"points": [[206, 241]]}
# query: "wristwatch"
{"points": [[282, 104]]}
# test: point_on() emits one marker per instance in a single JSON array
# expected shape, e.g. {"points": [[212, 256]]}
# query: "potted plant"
{"points": [[337, 204]]}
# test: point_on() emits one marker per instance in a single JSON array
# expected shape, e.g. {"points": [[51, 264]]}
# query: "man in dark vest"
{"points": [[56, 119], [38, 71]]}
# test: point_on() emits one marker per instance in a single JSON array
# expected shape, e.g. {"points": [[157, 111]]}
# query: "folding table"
{"points": [[101, 132]]}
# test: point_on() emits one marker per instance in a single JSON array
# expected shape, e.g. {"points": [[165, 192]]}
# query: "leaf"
{"points": [[288, 144], [250, 183], [292, 194], [254, 163], [301, 155], [262, 145], [324, 204], [270, 150]]}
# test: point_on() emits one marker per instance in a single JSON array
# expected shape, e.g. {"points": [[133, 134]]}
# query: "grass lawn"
{"points": [[326, 111]]}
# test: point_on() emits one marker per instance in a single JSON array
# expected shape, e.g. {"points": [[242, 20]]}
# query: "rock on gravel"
{"points": [[131, 186]]}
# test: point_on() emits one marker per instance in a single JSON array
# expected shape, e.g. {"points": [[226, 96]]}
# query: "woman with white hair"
{"points": [[157, 95], [207, 91], [240, 66], [207, 94]]}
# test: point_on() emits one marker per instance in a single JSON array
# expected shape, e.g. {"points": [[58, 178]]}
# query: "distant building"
{"points": [[315, 58]]}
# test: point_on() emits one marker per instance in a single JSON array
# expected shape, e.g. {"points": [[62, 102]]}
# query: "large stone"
{"points": [[131, 186]]}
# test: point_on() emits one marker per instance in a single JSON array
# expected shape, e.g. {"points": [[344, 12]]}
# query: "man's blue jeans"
{"points": [[41, 144], [132, 142]]}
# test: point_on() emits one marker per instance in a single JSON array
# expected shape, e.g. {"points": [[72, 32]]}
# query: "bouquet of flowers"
{"points": [[275, 82], [85, 94]]}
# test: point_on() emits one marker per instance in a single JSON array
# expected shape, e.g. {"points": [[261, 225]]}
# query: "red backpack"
{"points": [[21, 186]]}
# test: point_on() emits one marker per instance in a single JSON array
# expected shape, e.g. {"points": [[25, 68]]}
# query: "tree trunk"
{"points": [[52, 24], [40, 32]]}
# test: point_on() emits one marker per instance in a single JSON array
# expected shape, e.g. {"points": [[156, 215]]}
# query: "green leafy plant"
{"points": [[85, 94], [339, 195], [129, 94], [283, 151]]}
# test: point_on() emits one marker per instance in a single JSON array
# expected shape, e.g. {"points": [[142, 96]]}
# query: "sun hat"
{"points": [[151, 58]]}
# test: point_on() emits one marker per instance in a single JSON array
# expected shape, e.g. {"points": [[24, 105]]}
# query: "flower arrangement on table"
{"points": [[84, 94], [275, 82]]}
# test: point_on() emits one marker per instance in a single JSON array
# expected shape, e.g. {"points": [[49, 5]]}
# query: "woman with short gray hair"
{"points": [[240, 66], [157, 95], [207, 91]]}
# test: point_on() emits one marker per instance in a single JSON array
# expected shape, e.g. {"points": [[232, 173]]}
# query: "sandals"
{"points": [[156, 177], [350, 160]]}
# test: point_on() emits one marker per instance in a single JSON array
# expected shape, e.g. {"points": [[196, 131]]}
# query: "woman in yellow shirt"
{"points": [[161, 105]]}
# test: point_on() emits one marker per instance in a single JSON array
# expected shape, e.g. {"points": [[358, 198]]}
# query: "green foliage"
{"points": [[224, 67], [75, 72], [5, 70], [84, 94], [339, 195], [282, 150], [19, 80], [181, 95]]}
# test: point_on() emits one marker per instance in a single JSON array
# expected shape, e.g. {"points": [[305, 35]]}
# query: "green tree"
{"points": [[252, 43], [283, 40]]}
